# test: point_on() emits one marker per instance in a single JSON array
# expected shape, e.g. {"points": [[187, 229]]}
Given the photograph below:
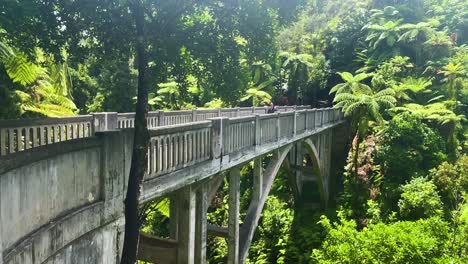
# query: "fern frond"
{"points": [[21, 70]]}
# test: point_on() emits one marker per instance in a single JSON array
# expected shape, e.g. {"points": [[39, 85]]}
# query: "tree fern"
{"points": [[352, 83], [43, 90], [21, 70], [359, 101]]}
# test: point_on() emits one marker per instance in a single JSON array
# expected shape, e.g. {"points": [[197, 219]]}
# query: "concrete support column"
{"points": [[233, 222], [257, 180], [299, 163], [201, 223], [186, 229], [174, 217]]}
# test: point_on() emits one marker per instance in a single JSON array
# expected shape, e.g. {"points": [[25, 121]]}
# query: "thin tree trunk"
{"points": [[140, 144], [356, 152]]}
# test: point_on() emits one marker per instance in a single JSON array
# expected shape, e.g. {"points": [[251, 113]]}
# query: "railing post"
{"points": [[278, 123], [313, 118], [258, 130], [217, 136], [237, 111], [306, 124], [294, 123], [161, 120], [194, 115], [105, 121], [321, 117]]}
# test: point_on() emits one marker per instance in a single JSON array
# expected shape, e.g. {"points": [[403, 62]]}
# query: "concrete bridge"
{"points": [[63, 180]]}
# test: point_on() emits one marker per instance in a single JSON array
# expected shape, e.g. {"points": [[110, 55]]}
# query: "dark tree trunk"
{"points": [[140, 143]]}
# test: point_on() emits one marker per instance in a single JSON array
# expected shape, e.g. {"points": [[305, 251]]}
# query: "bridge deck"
{"points": [[63, 181]]}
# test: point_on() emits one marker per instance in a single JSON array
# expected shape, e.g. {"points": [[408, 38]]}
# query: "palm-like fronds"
{"points": [[438, 112], [43, 89], [439, 39], [369, 103], [294, 60], [258, 96], [452, 71], [43, 99], [413, 85], [21, 70], [388, 33], [169, 88], [415, 31], [352, 83]]}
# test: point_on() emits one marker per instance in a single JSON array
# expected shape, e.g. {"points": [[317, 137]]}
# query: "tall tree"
{"points": [[140, 141], [363, 104]]}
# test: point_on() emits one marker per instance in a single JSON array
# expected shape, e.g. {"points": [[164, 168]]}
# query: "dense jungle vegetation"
{"points": [[397, 68]]}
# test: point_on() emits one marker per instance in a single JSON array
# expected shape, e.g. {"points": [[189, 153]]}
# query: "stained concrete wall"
{"points": [[64, 202], [41, 191]]}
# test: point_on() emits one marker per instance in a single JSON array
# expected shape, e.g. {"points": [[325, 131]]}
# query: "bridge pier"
{"points": [[233, 221], [186, 208], [257, 180], [201, 223]]}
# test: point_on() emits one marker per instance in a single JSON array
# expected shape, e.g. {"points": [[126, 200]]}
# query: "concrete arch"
{"points": [[256, 207], [316, 159], [313, 152]]}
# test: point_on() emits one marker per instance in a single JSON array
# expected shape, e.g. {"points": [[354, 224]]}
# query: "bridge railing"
{"points": [[19, 135], [175, 147], [23, 134], [179, 146]]}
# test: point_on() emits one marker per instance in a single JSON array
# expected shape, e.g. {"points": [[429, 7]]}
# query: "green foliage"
{"points": [[156, 216], [409, 57], [420, 241], [419, 199], [408, 147], [452, 180], [21, 70], [410, 87], [275, 224], [40, 88]]}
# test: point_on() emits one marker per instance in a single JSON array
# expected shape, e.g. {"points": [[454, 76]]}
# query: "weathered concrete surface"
{"points": [[63, 203], [99, 246], [156, 250], [65, 207], [41, 191]]}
